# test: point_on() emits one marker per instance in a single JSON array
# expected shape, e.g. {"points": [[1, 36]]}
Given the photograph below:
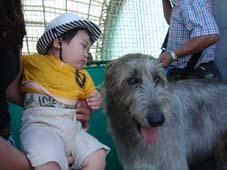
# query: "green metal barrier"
{"points": [[98, 122]]}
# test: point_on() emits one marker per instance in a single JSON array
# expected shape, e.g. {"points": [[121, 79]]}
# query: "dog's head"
{"points": [[134, 85]]}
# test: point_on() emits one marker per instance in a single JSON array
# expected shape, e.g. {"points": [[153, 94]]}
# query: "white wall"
{"points": [[139, 27]]}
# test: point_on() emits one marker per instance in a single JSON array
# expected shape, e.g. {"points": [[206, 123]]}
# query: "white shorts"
{"points": [[51, 134]]}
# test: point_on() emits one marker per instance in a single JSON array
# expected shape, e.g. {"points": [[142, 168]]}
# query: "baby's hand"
{"points": [[94, 100]]}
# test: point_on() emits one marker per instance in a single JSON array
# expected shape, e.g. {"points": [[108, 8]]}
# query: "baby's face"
{"points": [[76, 51]]}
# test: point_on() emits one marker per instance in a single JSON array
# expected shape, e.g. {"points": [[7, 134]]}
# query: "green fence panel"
{"points": [[98, 123]]}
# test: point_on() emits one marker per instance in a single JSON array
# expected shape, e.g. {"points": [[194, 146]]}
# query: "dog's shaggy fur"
{"points": [[160, 125]]}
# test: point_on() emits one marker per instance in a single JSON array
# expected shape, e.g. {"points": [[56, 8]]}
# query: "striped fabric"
{"points": [[191, 18], [60, 25]]}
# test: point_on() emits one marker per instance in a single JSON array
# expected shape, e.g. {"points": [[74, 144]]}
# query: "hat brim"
{"points": [[47, 38]]}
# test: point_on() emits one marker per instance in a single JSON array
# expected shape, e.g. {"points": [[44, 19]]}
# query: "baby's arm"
{"points": [[94, 100]]}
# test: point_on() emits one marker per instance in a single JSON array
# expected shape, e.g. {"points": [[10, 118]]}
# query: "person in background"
{"points": [[193, 33], [12, 31], [190, 48], [53, 81]]}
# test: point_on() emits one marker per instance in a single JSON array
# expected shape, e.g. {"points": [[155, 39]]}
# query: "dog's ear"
{"points": [[110, 67]]}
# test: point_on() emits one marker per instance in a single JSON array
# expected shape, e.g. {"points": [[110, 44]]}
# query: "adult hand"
{"points": [[165, 58], [83, 113]]}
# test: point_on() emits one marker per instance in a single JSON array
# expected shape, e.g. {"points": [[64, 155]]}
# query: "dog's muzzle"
{"points": [[156, 119]]}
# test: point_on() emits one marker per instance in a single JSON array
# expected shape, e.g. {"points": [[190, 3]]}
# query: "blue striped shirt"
{"points": [[191, 18]]}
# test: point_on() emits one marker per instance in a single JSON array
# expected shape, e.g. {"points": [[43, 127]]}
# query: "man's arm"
{"points": [[190, 47], [167, 8], [196, 44]]}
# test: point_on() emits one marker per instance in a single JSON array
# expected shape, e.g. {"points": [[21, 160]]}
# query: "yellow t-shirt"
{"points": [[56, 77]]}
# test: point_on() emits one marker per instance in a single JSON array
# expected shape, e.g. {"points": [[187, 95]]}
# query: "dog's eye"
{"points": [[133, 80]]}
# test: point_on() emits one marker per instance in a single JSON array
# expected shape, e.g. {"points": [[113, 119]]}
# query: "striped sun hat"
{"points": [[62, 24]]}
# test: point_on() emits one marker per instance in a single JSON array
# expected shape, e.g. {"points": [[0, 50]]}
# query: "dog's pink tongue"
{"points": [[150, 135]]}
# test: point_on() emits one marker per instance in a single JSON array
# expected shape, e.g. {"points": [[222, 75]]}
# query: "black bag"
{"points": [[203, 71], [164, 44], [186, 73]]}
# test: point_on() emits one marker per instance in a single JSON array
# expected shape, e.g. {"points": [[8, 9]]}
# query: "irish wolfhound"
{"points": [[160, 125]]}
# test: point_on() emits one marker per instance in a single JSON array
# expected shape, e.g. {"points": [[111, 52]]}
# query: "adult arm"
{"points": [[13, 92], [196, 44], [83, 113], [11, 158], [167, 8], [190, 47]]}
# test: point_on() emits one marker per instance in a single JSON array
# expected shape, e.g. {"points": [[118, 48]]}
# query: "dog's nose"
{"points": [[156, 119]]}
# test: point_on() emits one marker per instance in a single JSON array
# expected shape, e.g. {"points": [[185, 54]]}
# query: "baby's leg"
{"points": [[53, 165], [88, 152], [44, 148], [95, 161], [48, 166]]}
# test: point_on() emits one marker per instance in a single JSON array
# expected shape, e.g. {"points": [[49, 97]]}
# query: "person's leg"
{"points": [[221, 153], [207, 163], [11, 158], [44, 148], [48, 166], [95, 161], [87, 151]]}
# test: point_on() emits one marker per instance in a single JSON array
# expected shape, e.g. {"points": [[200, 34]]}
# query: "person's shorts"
{"points": [[51, 134]]}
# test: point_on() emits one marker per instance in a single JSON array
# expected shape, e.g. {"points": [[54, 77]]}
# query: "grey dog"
{"points": [[160, 125]]}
